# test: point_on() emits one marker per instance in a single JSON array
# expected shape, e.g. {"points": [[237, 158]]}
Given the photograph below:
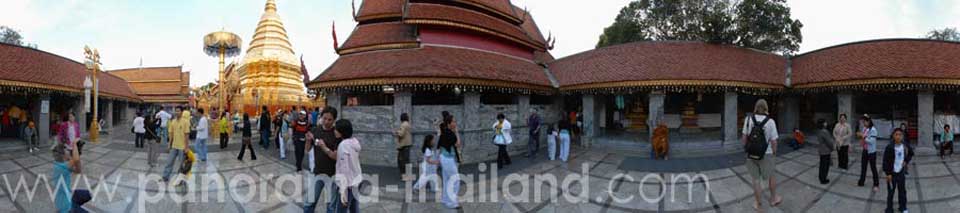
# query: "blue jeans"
{"points": [[352, 204], [175, 156], [265, 139], [163, 134], [201, 147], [310, 200]]}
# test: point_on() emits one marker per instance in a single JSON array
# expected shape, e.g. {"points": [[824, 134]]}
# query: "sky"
{"points": [[170, 32]]}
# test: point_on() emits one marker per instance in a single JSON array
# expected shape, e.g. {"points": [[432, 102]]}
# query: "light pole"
{"points": [[92, 62], [223, 44]]}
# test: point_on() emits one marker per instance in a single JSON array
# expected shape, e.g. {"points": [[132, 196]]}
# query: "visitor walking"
{"points": [[946, 141], [759, 128], [325, 165], [282, 139], [246, 137], [138, 130], [868, 141], [502, 138], [533, 123], [236, 121], [896, 158], [152, 140], [428, 166], [824, 149], [404, 143], [264, 127], [300, 128], [203, 133], [843, 133], [449, 141], [553, 135], [224, 129], [164, 118], [179, 129]]}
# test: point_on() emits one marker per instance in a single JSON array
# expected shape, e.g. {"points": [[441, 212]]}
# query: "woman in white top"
{"points": [[428, 167], [138, 130], [502, 138], [348, 174], [552, 136]]}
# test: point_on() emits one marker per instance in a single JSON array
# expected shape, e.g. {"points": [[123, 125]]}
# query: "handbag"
{"points": [[498, 139]]}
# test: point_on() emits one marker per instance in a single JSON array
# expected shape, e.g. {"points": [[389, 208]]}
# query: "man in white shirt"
{"points": [[203, 132], [896, 157], [164, 118], [766, 167]]}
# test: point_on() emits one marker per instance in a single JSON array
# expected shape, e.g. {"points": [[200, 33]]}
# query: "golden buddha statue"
{"points": [[269, 69]]}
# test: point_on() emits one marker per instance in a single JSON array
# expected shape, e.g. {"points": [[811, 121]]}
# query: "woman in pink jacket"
{"points": [[68, 132]]}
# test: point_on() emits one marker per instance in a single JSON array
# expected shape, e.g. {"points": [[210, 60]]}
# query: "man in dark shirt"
{"points": [[324, 164], [265, 128]]}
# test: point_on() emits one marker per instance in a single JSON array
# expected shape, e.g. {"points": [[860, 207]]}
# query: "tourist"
{"points": [[264, 128], [246, 137], [842, 134], [449, 141], [315, 117], [138, 130], [348, 173], [946, 141], [533, 123], [502, 138], [66, 162], [69, 133], [553, 134], [164, 118], [906, 135], [404, 142], [224, 127], [798, 139], [764, 168], [300, 128], [824, 149], [179, 129], [30, 136], [153, 140], [282, 139], [325, 165], [428, 167], [868, 141], [896, 158], [236, 121], [566, 129], [203, 133]]}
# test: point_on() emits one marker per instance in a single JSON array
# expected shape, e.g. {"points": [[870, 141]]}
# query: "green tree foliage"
{"points": [[760, 24], [945, 34], [10, 36]]}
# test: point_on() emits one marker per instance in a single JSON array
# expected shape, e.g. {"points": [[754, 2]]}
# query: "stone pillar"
{"points": [[655, 111], [729, 116], [42, 119], [523, 111], [107, 115], [789, 114], [334, 100], [601, 114], [471, 112], [126, 115], [589, 119], [845, 107], [925, 119], [81, 115], [402, 103]]}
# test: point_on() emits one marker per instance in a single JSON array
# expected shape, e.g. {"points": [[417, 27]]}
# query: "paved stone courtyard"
{"points": [[933, 185]]}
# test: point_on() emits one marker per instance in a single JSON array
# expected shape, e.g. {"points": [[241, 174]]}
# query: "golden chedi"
{"points": [[270, 74]]}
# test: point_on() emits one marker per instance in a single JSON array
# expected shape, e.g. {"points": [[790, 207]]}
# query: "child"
{"points": [[552, 135], [428, 168], [896, 158]]}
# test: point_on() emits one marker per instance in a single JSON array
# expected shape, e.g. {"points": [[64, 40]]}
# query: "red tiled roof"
{"points": [[424, 11], [530, 26], [503, 7], [380, 33], [19, 64], [669, 60], [898, 58], [435, 62], [375, 9]]}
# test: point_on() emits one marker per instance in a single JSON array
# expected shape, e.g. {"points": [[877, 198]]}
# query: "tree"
{"points": [[760, 24], [10, 36], [945, 34]]}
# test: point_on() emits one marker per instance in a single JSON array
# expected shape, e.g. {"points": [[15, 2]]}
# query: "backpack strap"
{"points": [[764, 122]]}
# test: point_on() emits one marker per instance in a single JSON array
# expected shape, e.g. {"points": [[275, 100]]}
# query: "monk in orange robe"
{"points": [[661, 144]]}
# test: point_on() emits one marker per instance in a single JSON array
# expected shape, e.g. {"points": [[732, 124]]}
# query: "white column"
{"points": [[729, 116], [589, 119], [925, 118], [655, 110]]}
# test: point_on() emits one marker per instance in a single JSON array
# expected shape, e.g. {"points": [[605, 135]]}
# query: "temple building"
{"points": [[43, 87], [166, 86], [475, 59], [270, 74]]}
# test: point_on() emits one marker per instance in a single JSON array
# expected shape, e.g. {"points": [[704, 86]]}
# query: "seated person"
{"points": [[798, 139]]}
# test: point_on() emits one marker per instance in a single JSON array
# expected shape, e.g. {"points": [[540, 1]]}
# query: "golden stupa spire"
{"points": [[270, 38]]}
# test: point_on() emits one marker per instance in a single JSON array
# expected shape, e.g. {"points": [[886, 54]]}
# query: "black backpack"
{"points": [[756, 146]]}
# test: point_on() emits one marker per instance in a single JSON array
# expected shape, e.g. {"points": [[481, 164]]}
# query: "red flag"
{"points": [[303, 70], [335, 43]]}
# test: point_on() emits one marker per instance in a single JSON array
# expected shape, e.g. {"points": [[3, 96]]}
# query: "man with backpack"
{"points": [[760, 143]]}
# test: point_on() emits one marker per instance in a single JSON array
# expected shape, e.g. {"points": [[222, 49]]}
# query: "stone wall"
{"points": [[374, 125]]}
